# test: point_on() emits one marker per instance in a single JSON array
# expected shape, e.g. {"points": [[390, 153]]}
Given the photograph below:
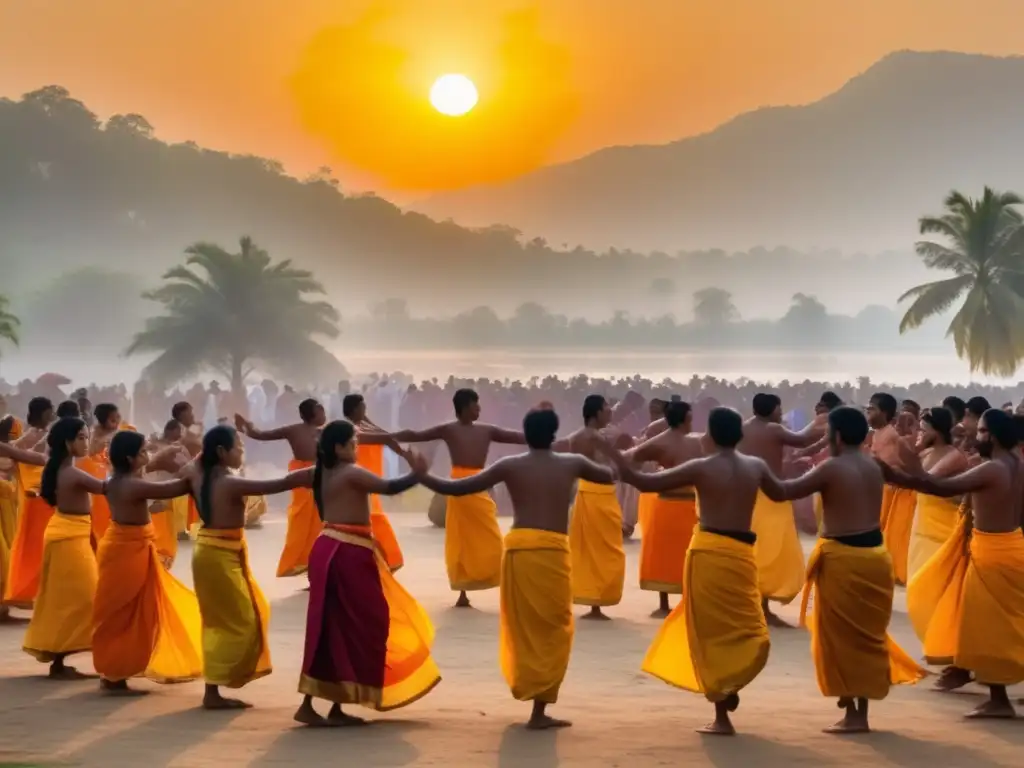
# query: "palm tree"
{"points": [[985, 252], [713, 306], [9, 323], [245, 311]]}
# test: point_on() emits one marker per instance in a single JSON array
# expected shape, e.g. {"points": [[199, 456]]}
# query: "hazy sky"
{"points": [[344, 82]]}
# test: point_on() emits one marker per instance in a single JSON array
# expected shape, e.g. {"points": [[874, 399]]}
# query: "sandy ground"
{"points": [[622, 717]]}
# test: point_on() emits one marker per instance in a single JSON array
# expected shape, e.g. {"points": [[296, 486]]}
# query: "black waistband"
{"points": [[743, 537], [865, 540]]}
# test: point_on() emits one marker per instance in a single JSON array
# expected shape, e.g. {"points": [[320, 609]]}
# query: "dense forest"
{"points": [[78, 191]]}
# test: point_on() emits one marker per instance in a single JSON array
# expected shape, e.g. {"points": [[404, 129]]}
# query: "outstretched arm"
{"points": [[428, 435], [593, 472], [243, 486], [655, 482], [971, 481], [153, 489], [787, 490], [249, 430], [805, 438], [812, 450], [21, 455], [89, 483], [507, 436], [477, 483]]}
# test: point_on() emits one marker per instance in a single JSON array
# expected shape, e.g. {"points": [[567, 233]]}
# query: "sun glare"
{"points": [[453, 95]]}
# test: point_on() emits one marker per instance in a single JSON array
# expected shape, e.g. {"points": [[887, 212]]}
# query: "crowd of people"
{"points": [[928, 496]]}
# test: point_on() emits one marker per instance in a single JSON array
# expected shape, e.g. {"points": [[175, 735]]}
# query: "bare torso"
{"points": [[763, 439], [851, 494], [668, 448], [128, 496], [73, 489]]}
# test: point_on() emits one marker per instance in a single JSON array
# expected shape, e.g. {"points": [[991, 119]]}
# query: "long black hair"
{"points": [[64, 431], [334, 434], [221, 436], [124, 447]]}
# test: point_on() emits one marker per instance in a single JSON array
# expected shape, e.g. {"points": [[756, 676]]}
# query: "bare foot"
{"points": [[596, 615], [463, 601], [220, 702], [306, 715], [992, 710], [718, 728], [661, 613], [544, 722], [120, 688], [951, 679], [68, 673], [849, 724], [342, 720]]}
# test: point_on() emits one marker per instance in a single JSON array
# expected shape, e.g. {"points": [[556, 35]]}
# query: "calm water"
{"points": [[772, 366]]}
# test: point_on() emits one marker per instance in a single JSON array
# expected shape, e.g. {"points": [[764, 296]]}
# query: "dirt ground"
{"points": [[621, 716]]}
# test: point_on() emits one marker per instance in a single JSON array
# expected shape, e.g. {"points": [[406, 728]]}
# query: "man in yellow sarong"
{"points": [[672, 516], [851, 576], [370, 456], [898, 504], [8, 505], [536, 622], [987, 621], [595, 525], [780, 558], [304, 522], [472, 539], [715, 641], [935, 518]]}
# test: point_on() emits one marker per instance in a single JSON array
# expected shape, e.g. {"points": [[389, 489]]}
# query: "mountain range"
{"points": [[853, 170]]}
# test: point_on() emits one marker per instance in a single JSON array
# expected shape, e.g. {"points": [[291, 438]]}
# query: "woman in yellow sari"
{"points": [[235, 614], [61, 622]]}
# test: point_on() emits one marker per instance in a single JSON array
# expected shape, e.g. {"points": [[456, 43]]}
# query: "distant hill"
{"points": [[75, 191], [853, 170]]}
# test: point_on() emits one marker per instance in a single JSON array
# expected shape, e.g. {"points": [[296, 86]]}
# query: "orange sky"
{"points": [[344, 82]]}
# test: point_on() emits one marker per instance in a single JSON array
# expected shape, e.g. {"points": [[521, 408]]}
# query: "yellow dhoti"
{"points": [[304, 526], [146, 622], [165, 535], [715, 641], [850, 645], [898, 506], [780, 558], [62, 618], [935, 519], [371, 457], [536, 623], [472, 539], [235, 614], [26, 557], [595, 539], [990, 635], [935, 597], [643, 511], [670, 524]]}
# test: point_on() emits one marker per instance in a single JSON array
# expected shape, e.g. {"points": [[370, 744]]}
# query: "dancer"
{"points": [[536, 622], [367, 639], [8, 503], [851, 574], [472, 539], [370, 456], [935, 518], [235, 615], [595, 528], [97, 463], [304, 523], [673, 515], [61, 622], [898, 504], [986, 624], [715, 641], [145, 621], [780, 558], [34, 513]]}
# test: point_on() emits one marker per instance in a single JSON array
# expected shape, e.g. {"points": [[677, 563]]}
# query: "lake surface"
{"points": [[898, 368]]}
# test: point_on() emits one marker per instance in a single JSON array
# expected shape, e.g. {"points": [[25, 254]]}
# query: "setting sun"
{"points": [[453, 95]]}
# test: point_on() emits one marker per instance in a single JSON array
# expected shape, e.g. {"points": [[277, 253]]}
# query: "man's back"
{"points": [[540, 484], [727, 484], [851, 496], [761, 439]]}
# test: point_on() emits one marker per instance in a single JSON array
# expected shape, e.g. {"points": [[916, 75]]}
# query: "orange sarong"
{"points": [[666, 537], [371, 457], [26, 558], [145, 621], [304, 526]]}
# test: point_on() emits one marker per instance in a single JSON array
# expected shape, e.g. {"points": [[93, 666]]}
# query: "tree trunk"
{"points": [[239, 398]]}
